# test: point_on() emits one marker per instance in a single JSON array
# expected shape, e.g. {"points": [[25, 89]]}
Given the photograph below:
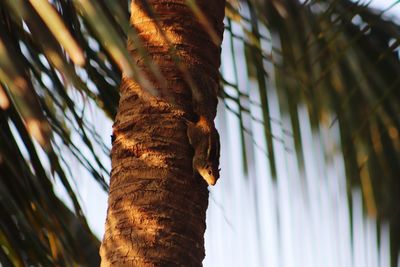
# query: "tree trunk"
{"points": [[156, 207]]}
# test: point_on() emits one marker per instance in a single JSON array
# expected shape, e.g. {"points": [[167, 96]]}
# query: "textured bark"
{"points": [[156, 212]]}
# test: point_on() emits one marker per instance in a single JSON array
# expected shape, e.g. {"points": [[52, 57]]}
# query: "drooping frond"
{"points": [[340, 61]]}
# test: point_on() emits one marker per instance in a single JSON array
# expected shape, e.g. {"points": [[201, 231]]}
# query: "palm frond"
{"points": [[340, 59]]}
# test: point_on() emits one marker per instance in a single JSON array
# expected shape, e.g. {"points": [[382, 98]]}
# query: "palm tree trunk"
{"points": [[156, 207]]}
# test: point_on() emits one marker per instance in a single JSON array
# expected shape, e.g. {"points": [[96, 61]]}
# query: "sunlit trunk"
{"points": [[156, 212]]}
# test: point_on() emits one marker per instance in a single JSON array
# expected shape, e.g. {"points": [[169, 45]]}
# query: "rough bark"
{"points": [[156, 212]]}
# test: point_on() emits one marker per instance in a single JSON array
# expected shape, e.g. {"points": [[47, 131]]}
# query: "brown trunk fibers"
{"points": [[156, 212]]}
